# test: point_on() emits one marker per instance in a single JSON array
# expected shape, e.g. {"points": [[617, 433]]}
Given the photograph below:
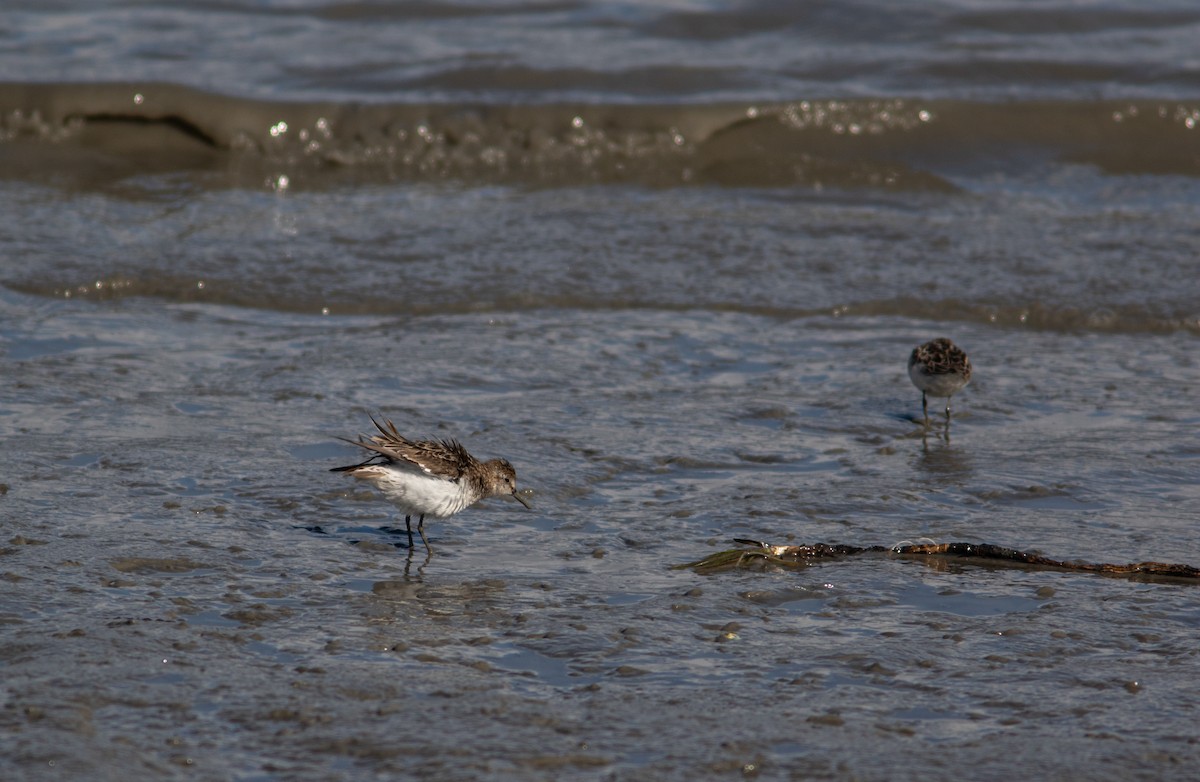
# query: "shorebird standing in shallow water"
{"points": [[435, 478], [939, 368]]}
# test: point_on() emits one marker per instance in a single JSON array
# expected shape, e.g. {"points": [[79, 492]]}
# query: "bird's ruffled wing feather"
{"points": [[438, 458]]}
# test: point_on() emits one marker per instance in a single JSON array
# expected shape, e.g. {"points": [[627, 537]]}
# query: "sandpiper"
{"points": [[938, 368], [435, 478]]}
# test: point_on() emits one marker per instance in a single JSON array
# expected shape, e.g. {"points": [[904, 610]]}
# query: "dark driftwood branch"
{"points": [[980, 553]]}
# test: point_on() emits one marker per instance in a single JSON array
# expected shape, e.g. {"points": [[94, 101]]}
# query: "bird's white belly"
{"points": [[936, 385], [420, 494]]}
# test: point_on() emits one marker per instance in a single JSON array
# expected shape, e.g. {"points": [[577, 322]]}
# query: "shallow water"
{"points": [[676, 343], [190, 590]]}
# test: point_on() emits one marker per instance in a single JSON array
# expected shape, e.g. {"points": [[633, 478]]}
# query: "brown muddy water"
{"points": [[668, 262]]}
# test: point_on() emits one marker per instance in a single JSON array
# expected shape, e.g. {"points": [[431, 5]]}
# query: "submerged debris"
{"points": [[982, 553]]}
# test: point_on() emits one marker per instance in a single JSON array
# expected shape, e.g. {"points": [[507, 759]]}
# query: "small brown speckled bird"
{"points": [[938, 368], [435, 478]]}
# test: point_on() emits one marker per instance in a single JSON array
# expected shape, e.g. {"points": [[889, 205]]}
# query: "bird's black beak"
{"points": [[522, 500]]}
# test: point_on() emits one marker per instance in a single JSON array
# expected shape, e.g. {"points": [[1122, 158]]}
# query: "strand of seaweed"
{"points": [[981, 553]]}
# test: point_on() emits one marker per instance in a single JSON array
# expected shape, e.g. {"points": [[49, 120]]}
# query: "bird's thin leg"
{"points": [[925, 407], [421, 531], [408, 526], [947, 408]]}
